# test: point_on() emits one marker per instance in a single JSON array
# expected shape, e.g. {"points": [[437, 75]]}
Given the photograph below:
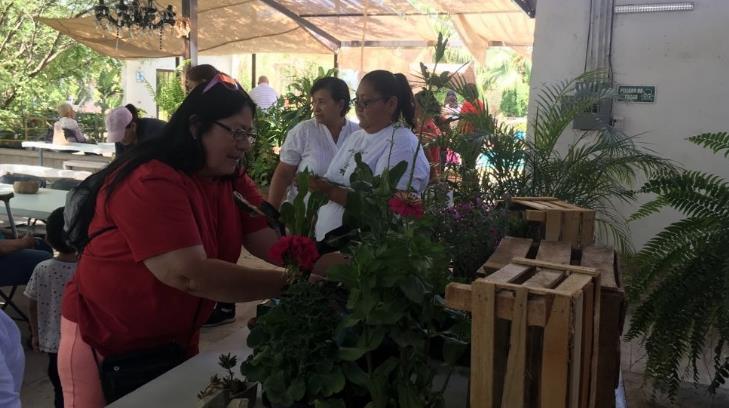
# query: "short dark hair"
{"points": [[54, 232], [338, 90], [134, 111], [201, 73]]}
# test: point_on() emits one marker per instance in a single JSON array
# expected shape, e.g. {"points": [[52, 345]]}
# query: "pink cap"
{"points": [[116, 124]]}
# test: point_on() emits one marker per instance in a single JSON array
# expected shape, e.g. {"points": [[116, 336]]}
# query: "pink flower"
{"points": [[406, 205], [294, 250]]}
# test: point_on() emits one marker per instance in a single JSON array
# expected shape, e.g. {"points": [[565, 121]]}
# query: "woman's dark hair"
{"points": [[54, 232], [134, 111], [177, 146], [428, 103], [337, 88], [388, 84], [201, 73]]}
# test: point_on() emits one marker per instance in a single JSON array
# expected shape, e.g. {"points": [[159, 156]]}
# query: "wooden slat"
{"points": [[588, 328], [508, 248], [574, 283], [557, 252], [553, 225], [571, 227], [534, 199], [534, 215], [555, 354], [550, 251], [509, 273], [483, 312], [552, 265], [597, 302], [603, 259], [458, 296], [588, 227], [575, 363], [531, 204], [513, 395]]}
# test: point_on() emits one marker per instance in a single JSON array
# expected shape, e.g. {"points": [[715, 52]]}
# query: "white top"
{"points": [[263, 95], [46, 287], [59, 137], [380, 151], [12, 363], [309, 145]]}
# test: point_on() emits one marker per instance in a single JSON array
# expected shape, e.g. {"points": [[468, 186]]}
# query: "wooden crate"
{"points": [[561, 221], [566, 305]]}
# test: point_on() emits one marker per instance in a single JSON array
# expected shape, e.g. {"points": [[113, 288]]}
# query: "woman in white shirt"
{"points": [[382, 99], [313, 143], [66, 129]]}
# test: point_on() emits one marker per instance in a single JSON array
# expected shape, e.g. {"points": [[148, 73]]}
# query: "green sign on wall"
{"points": [[645, 94]]}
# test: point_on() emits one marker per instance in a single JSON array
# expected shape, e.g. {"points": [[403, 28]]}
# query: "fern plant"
{"points": [[681, 277]]}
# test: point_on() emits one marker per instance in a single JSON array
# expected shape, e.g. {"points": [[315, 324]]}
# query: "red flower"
{"points": [[294, 249], [406, 205]]}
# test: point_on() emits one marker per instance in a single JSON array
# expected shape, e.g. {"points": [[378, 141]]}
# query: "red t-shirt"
{"points": [[468, 114], [119, 304]]}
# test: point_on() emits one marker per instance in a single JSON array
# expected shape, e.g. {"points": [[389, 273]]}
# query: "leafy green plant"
{"points": [[514, 100], [235, 387], [300, 215], [681, 277], [294, 352]]}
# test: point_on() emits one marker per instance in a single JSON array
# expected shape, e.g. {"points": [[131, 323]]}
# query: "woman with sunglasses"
{"points": [[382, 99], [312, 144], [165, 238]]}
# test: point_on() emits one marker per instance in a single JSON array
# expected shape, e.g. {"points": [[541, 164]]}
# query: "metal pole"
{"points": [[336, 61], [189, 10], [253, 71]]}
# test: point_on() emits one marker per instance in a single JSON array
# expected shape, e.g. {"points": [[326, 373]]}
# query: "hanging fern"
{"points": [[681, 281]]}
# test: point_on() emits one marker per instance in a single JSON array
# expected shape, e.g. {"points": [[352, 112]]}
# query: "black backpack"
{"points": [[79, 211]]}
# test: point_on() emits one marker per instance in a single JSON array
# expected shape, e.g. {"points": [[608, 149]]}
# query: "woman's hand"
{"points": [[28, 241], [319, 185], [327, 261]]}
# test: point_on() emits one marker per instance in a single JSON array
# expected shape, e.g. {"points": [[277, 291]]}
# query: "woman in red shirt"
{"points": [[169, 236]]}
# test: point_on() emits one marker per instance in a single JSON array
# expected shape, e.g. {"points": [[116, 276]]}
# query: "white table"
{"points": [[39, 205], [179, 386], [43, 172], [105, 149]]}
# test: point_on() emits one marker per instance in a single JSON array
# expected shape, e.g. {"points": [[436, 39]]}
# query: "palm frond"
{"points": [[715, 142]]}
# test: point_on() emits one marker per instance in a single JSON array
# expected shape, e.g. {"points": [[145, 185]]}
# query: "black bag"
{"points": [[123, 374], [79, 211]]}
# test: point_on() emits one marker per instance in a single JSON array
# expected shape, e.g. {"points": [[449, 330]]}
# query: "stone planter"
{"points": [[223, 398]]}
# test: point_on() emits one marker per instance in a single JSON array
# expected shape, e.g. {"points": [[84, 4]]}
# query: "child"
{"points": [[45, 290]]}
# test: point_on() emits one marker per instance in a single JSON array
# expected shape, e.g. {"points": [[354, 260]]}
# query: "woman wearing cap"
{"points": [[312, 144], [166, 238], [125, 128], [382, 99]]}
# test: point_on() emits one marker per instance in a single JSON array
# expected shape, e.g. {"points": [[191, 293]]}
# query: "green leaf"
{"points": [[333, 382], [407, 397], [413, 289], [297, 389], [355, 374], [329, 403], [396, 172], [351, 353]]}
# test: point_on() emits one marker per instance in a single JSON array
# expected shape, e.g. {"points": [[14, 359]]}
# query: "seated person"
{"points": [[125, 128], [66, 129], [18, 258]]}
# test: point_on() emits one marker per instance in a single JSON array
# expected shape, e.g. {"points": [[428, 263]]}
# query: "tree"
{"points": [[39, 67]]}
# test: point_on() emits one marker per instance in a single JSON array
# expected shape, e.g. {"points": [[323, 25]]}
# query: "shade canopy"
{"points": [[316, 26]]}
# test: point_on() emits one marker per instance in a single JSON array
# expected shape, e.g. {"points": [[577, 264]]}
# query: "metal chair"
{"points": [[7, 298]]}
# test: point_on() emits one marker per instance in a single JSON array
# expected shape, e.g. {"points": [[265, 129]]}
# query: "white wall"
{"points": [[137, 93], [685, 55]]}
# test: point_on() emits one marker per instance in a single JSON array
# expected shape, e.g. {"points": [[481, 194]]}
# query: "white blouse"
{"points": [[380, 151], [309, 145]]}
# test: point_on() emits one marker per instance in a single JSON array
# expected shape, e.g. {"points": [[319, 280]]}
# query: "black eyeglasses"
{"points": [[239, 134], [364, 103]]}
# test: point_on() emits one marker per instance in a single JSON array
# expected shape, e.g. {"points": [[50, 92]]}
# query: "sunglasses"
{"points": [[239, 134], [364, 103], [224, 80]]}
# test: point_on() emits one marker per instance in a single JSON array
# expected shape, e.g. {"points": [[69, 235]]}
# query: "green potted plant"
{"points": [[680, 279], [221, 391]]}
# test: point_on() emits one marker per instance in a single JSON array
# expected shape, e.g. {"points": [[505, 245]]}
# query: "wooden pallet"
{"points": [[553, 312], [561, 221]]}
